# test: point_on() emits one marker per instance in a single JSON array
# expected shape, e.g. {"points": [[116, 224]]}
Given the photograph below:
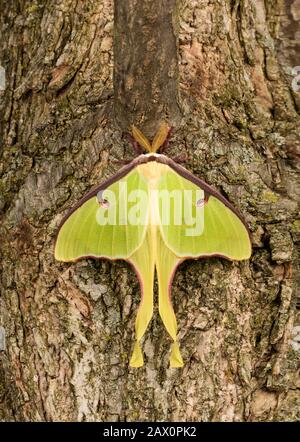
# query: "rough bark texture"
{"points": [[69, 328], [146, 64]]}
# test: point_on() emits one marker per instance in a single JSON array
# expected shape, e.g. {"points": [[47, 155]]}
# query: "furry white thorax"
{"points": [[153, 154]]}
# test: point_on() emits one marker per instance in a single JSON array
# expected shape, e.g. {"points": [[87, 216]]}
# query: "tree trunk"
{"points": [[146, 79], [67, 330]]}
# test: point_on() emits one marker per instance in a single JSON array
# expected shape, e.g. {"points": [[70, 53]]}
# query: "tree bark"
{"points": [[146, 64], [69, 328]]}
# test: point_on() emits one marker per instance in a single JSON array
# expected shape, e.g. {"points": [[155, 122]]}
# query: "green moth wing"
{"points": [[143, 261], [194, 221], [208, 224], [97, 226], [84, 233]]}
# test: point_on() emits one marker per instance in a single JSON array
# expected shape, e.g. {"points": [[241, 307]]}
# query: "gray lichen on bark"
{"points": [[69, 328]]}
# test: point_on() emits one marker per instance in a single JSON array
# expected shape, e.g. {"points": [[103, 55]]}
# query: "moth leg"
{"points": [[121, 162], [137, 148], [182, 158]]}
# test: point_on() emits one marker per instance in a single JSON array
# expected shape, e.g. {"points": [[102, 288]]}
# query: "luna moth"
{"points": [[154, 214]]}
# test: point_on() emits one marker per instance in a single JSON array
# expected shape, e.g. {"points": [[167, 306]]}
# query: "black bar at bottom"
{"points": [[136, 431]]}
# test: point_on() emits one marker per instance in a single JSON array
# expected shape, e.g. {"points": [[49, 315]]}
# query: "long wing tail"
{"points": [[143, 262], [166, 264]]}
